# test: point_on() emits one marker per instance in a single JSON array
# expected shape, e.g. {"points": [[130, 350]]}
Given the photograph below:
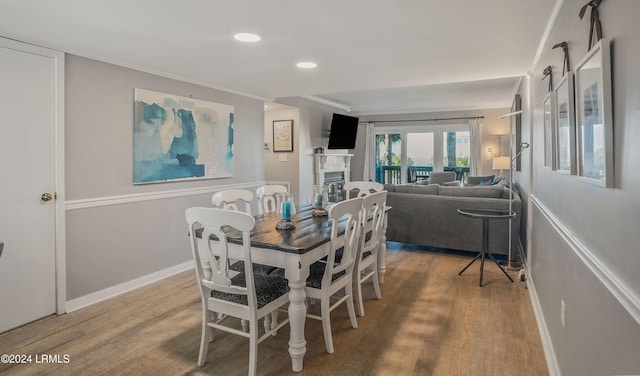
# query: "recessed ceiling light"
{"points": [[307, 65], [247, 37]]}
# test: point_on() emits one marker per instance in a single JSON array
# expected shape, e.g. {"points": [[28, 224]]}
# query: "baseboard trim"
{"points": [[627, 297], [110, 292], [159, 195], [545, 337]]}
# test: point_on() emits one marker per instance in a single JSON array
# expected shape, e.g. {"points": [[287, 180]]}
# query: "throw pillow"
{"points": [[480, 180]]}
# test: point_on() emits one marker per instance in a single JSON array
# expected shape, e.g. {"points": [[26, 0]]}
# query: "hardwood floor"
{"points": [[430, 321]]}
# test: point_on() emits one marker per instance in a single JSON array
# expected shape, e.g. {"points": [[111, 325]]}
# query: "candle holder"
{"points": [[319, 200], [285, 210]]}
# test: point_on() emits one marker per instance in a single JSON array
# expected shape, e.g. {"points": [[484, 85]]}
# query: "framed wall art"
{"points": [[593, 116], [565, 125], [180, 138], [282, 136], [549, 130]]}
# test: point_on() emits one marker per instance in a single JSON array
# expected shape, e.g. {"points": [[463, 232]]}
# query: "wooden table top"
{"points": [[310, 232]]}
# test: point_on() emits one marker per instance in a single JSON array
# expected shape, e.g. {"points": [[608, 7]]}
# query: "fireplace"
{"points": [[332, 170], [335, 180]]}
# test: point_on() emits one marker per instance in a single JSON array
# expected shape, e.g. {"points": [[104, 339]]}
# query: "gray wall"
{"points": [[315, 122], [584, 238], [115, 231], [277, 169]]}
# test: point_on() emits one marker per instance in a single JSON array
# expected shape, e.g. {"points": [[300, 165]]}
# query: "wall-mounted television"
{"points": [[344, 129]]}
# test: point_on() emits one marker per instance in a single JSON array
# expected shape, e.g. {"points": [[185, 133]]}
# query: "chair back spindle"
{"points": [[229, 200], [267, 197], [361, 188]]}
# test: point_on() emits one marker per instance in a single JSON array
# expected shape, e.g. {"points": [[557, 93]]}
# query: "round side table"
{"points": [[486, 215]]}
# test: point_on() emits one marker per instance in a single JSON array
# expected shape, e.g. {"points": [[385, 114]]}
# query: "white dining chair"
{"points": [[334, 275], [361, 188], [229, 199], [266, 195], [224, 293], [237, 200], [366, 267]]}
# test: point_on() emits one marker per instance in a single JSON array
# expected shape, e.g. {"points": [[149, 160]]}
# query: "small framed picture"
{"points": [[593, 116], [549, 131], [282, 136], [565, 126]]}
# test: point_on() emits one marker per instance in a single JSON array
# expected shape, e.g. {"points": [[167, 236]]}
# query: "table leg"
{"points": [[382, 268], [469, 264], [297, 276], [485, 245], [500, 266]]}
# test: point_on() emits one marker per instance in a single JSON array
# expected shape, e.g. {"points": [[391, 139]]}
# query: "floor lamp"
{"points": [[523, 146]]}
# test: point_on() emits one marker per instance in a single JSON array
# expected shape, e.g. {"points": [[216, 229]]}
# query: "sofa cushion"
{"points": [[480, 180], [478, 191], [390, 187], [431, 189], [439, 177]]}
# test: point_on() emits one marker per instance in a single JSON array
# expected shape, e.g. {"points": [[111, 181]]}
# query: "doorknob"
{"points": [[46, 197]]}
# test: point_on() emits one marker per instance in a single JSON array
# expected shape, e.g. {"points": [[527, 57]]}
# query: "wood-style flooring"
{"points": [[430, 321]]}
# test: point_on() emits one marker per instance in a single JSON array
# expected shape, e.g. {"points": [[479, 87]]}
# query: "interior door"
{"points": [[27, 172]]}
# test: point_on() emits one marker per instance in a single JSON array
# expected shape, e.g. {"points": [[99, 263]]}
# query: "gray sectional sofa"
{"points": [[427, 215]]}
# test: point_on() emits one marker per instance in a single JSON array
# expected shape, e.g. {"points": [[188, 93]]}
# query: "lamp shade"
{"points": [[501, 163]]}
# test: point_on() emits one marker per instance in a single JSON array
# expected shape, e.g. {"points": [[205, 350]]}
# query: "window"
{"points": [[388, 157], [408, 154], [457, 149]]}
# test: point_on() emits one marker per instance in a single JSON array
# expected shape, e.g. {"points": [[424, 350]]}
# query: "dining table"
{"points": [[295, 250]]}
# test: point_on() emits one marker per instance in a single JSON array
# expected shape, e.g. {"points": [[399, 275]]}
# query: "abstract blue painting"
{"points": [[180, 138]]}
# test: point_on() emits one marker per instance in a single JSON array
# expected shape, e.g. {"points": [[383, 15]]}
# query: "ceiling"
{"points": [[373, 56]]}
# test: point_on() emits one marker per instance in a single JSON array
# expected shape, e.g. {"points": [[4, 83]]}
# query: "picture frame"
{"points": [[594, 119], [549, 130], [565, 125], [282, 136]]}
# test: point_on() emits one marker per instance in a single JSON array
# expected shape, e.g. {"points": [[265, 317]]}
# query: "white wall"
{"points": [[118, 232], [584, 238]]}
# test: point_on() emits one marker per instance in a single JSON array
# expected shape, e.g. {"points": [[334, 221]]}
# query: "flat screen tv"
{"points": [[343, 132]]}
